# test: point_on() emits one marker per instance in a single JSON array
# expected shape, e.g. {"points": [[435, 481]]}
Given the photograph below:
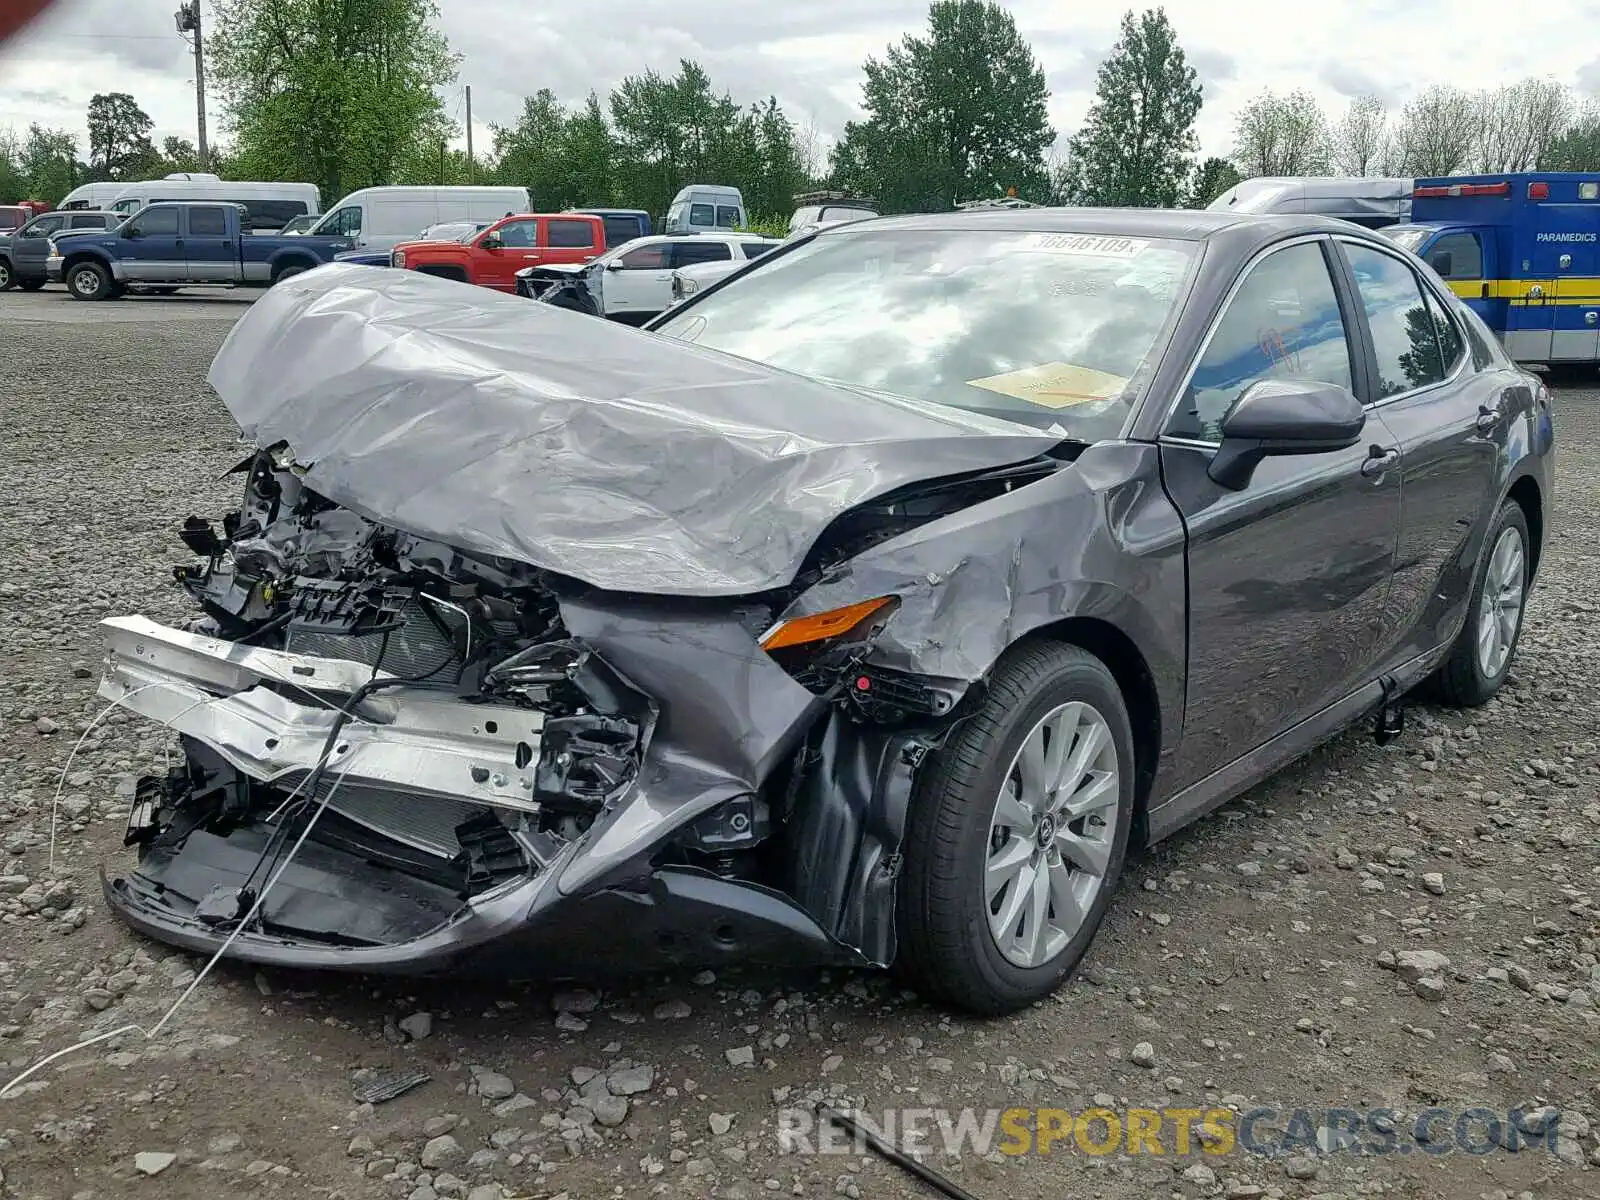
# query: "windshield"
{"points": [[1044, 329], [1407, 237]]}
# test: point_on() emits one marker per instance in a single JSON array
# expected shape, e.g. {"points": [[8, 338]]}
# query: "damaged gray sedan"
{"points": [[866, 610]]}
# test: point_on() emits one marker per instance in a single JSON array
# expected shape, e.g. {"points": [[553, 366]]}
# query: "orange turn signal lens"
{"points": [[820, 626]]}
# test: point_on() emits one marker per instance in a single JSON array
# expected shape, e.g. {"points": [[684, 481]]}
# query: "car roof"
{"points": [[1191, 225]]}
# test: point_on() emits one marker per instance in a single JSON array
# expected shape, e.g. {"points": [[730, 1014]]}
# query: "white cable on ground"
{"points": [[215, 958]]}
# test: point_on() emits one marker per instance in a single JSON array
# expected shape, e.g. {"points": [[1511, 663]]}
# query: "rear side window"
{"points": [[90, 221], [755, 249], [571, 235], [208, 222], [701, 214], [1282, 323], [1404, 338], [272, 215], [727, 217], [156, 222], [692, 252], [1451, 347], [620, 229]]}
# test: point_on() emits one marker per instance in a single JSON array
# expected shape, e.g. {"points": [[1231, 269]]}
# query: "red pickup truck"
{"points": [[492, 257]]}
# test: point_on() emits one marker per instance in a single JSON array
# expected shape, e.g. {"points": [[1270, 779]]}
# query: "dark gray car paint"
{"points": [[1297, 607], [27, 254]]}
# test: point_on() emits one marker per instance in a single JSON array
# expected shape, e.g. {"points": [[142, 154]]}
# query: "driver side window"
{"points": [[155, 222], [1282, 323], [346, 223], [645, 258]]}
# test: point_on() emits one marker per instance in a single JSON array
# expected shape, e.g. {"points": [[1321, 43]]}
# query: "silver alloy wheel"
{"points": [[86, 282], [5, 276], [1050, 837], [1500, 609]]}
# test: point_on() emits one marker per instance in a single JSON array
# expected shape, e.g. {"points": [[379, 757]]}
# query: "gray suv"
{"points": [[22, 253]]}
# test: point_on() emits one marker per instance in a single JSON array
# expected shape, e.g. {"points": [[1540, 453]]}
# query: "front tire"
{"points": [[1017, 833], [88, 281], [7, 279], [31, 285], [1481, 657]]}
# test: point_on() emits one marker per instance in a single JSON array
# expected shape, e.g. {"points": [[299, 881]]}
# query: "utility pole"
{"points": [[188, 19], [472, 167]]}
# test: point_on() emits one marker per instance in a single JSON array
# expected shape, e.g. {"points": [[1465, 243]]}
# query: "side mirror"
{"points": [[1442, 263], [131, 234], [614, 265], [1284, 416], [493, 241]]}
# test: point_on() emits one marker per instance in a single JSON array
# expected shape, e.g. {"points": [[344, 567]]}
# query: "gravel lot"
{"points": [[1251, 961]]}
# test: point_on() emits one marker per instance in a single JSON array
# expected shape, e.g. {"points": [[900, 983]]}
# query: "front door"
{"points": [[211, 251], [151, 248], [636, 280], [1451, 420], [1289, 576], [497, 267]]}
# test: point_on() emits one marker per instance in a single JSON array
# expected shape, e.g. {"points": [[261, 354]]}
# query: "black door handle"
{"points": [[1488, 419], [1484, 294], [1378, 461], [179, 242]]}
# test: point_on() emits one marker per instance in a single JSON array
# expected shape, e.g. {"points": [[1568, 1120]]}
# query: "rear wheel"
{"points": [[283, 273], [88, 281], [1481, 658], [1017, 833]]}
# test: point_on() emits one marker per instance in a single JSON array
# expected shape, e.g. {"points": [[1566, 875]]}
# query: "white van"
{"points": [[1372, 202], [705, 208], [271, 205], [96, 196], [380, 218]]}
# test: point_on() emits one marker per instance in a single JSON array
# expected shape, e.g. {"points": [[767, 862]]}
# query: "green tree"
{"points": [[532, 153], [592, 156], [1137, 143], [1211, 179], [1281, 135], [670, 132], [954, 115], [13, 179], [49, 163], [342, 95], [1578, 148], [179, 154], [119, 136]]}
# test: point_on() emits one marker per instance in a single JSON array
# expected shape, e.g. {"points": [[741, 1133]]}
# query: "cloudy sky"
{"points": [[809, 53]]}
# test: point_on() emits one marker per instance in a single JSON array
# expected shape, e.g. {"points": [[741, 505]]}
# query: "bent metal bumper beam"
{"points": [[231, 698]]}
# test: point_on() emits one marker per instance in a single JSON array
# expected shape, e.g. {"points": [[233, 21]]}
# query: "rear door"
{"points": [[1451, 421], [1288, 576], [1575, 319], [570, 239], [210, 245], [151, 248]]}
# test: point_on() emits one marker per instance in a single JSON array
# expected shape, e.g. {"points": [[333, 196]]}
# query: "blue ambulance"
{"points": [[1523, 250]]}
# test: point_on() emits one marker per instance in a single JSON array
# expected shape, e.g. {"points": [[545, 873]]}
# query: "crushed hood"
{"points": [[625, 459]]}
